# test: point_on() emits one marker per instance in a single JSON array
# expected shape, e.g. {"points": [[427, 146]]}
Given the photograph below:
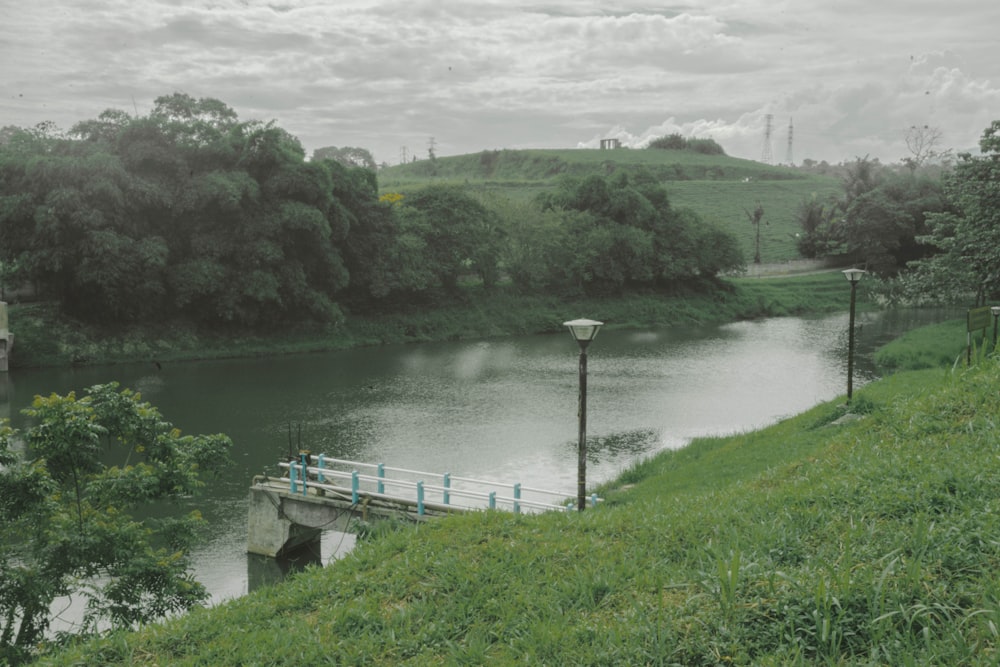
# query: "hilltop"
{"points": [[719, 188]]}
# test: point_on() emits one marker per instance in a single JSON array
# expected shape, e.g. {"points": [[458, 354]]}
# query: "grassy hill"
{"points": [[719, 188], [820, 540]]}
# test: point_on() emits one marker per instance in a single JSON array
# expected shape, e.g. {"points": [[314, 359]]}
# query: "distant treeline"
{"points": [[677, 142], [191, 213]]}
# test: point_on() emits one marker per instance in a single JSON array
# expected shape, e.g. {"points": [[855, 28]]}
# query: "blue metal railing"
{"points": [[323, 472]]}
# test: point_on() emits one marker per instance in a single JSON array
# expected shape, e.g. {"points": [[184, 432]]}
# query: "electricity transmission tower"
{"points": [[765, 156], [788, 155]]}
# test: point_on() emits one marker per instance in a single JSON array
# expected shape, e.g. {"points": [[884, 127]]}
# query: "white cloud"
{"points": [[491, 74]]}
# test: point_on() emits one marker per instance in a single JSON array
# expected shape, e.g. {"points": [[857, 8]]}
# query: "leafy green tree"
{"points": [[628, 234], [670, 142], [883, 226], [968, 233], [879, 220], [348, 156], [677, 142], [456, 233], [817, 220], [70, 508], [187, 212]]}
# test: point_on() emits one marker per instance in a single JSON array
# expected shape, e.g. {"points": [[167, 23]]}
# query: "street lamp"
{"points": [[853, 276], [996, 313], [583, 331]]}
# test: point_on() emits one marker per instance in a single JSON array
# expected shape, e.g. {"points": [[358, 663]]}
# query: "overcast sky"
{"points": [[389, 75]]}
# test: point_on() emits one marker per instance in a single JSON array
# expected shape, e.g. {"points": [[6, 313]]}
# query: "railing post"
{"points": [[354, 487], [305, 472], [593, 500], [291, 477], [321, 463], [446, 497], [493, 500], [420, 498], [381, 476], [517, 496]]}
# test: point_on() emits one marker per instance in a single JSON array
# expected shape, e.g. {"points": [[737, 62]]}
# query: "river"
{"points": [[503, 409]]}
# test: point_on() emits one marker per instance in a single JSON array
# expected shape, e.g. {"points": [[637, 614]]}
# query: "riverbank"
{"points": [[46, 338], [821, 539]]}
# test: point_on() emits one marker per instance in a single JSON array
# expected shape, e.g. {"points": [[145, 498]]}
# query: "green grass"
{"points": [[718, 188], [869, 540], [939, 345]]}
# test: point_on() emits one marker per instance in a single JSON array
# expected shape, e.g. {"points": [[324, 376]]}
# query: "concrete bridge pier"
{"points": [[279, 522]]}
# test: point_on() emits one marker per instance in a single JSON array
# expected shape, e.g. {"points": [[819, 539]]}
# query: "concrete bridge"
{"points": [[316, 493]]}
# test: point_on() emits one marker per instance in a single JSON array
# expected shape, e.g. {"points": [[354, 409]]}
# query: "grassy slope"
{"points": [[711, 185], [866, 542]]}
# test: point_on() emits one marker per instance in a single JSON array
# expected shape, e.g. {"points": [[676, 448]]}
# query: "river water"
{"points": [[502, 409]]}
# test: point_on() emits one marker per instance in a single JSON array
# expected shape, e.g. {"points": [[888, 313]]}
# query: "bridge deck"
{"points": [[288, 511]]}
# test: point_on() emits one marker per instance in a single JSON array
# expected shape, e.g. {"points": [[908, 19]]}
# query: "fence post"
{"points": [[354, 487], [305, 472], [291, 477], [593, 500], [517, 497], [447, 485], [420, 498], [381, 476], [321, 464], [493, 500]]}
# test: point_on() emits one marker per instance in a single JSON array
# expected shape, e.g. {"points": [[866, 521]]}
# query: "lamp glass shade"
{"points": [[854, 275], [583, 331]]}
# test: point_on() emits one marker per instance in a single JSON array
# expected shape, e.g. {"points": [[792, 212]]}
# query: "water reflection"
{"points": [[498, 409]]}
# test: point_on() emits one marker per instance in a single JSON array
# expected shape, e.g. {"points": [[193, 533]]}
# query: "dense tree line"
{"points": [[966, 233], [879, 220], [678, 142], [933, 230], [190, 212]]}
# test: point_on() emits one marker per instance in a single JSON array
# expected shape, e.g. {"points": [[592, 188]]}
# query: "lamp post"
{"points": [[996, 314], [583, 331], [853, 276]]}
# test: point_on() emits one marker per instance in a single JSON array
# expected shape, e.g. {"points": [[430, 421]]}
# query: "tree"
{"points": [[454, 225], [878, 220], [755, 219], [967, 234], [627, 233], [670, 142], [922, 141], [883, 226], [349, 156], [187, 212], [816, 219], [70, 508]]}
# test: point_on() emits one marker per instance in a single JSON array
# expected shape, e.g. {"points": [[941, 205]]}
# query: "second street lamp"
{"points": [[853, 276], [583, 331]]}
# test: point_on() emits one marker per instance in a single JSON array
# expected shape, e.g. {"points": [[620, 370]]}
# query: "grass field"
{"points": [[719, 188]]}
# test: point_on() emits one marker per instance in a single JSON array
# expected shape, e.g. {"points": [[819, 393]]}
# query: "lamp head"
{"points": [[583, 331], [854, 275]]}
